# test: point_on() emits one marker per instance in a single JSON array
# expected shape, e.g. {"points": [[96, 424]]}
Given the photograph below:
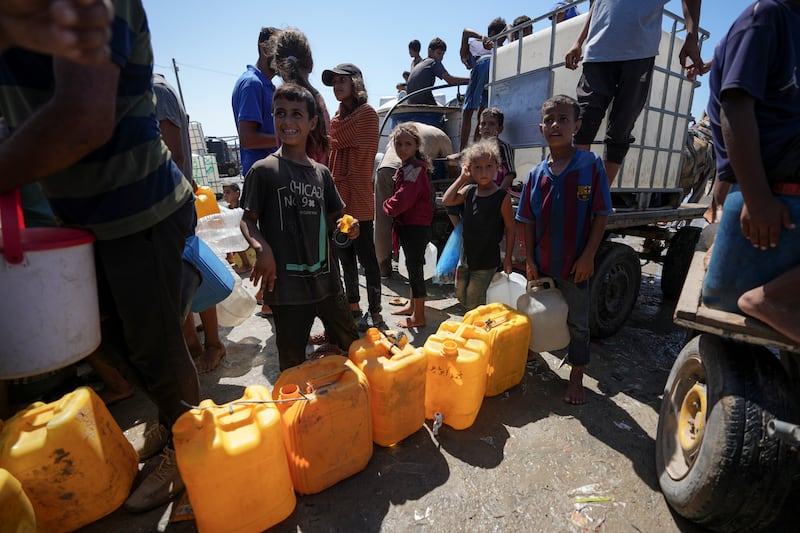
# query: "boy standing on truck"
{"points": [[424, 74], [476, 52], [622, 41], [564, 205], [754, 108]]}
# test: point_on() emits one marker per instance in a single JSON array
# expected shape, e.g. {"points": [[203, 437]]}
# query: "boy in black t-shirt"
{"points": [[291, 208]]}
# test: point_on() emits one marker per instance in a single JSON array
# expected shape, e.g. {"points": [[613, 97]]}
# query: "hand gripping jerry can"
{"points": [[232, 459], [327, 427], [457, 356], [509, 335], [395, 372], [546, 307], [72, 459]]}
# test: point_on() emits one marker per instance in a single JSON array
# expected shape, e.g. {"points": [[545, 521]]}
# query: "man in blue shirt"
{"points": [[252, 106]]}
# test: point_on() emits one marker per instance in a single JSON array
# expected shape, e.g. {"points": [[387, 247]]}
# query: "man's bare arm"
{"points": [[84, 99]]}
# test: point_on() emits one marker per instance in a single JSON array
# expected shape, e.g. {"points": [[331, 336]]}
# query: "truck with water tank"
{"points": [[729, 424], [648, 193]]}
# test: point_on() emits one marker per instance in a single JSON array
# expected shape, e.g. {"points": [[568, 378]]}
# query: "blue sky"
{"points": [[213, 41]]}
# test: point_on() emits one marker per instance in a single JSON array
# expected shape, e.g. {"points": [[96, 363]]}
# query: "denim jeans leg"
{"points": [[577, 297]]}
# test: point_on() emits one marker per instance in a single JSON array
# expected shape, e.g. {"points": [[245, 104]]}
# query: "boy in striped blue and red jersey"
{"points": [[565, 204]]}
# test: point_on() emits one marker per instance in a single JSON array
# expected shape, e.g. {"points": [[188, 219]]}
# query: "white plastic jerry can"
{"points": [[547, 309]]}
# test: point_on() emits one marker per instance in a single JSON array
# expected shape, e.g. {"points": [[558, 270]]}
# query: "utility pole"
{"points": [[180, 92]]}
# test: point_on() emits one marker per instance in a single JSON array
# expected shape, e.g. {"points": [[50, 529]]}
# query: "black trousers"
{"points": [[293, 325]]}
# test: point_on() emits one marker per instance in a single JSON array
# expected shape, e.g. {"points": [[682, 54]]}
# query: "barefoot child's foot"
{"points": [[410, 322], [416, 317], [403, 311], [195, 348], [775, 303], [211, 358], [576, 394]]}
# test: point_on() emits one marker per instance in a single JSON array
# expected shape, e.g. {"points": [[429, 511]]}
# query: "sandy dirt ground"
{"points": [[520, 467]]}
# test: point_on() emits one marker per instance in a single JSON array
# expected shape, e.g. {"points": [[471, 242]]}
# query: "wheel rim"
{"points": [[692, 419], [615, 287], [684, 419]]}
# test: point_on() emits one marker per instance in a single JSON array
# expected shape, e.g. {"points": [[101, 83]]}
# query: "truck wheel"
{"points": [[615, 287], [677, 261], [714, 462]]}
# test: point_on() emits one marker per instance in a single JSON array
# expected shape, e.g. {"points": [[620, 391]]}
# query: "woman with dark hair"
{"points": [[293, 62]]}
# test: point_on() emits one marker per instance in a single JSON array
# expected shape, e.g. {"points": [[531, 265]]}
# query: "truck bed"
{"points": [[691, 313], [642, 217]]}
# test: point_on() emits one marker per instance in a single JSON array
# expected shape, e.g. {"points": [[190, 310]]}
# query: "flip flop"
{"points": [[398, 301]]}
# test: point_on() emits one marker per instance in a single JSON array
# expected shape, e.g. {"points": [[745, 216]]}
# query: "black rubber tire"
{"points": [[615, 287], [736, 478], [677, 261]]}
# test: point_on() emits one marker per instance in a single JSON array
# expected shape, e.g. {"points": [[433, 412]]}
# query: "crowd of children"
{"points": [[314, 179]]}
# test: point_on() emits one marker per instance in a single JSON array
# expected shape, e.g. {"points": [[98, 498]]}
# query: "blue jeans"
{"points": [[577, 297], [471, 286], [737, 266]]}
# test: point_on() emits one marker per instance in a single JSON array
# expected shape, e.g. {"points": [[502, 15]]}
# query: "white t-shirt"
{"points": [[621, 30], [476, 48]]}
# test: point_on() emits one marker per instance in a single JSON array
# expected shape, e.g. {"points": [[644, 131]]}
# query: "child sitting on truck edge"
{"points": [[290, 209], [487, 216], [562, 237], [755, 95]]}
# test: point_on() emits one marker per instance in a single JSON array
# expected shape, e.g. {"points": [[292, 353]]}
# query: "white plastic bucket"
{"points": [[50, 313], [428, 270]]}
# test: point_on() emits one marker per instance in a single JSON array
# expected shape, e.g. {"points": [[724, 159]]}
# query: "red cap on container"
{"points": [[17, 239]]}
